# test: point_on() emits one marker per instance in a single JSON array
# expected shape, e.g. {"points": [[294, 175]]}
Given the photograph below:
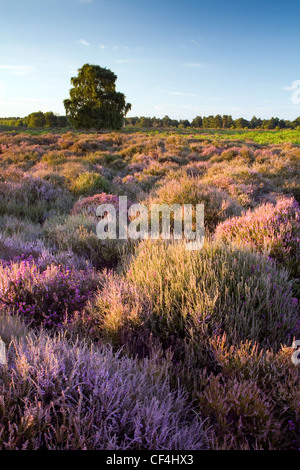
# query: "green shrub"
{"points": [[33, 199], [218, 206], [185, 295], [88, 184], [77, 233]]}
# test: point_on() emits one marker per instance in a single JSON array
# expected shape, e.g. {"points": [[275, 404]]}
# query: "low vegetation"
{"points": [[146, 345]]}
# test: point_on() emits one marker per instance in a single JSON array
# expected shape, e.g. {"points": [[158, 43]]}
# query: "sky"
{"points": [[181, 58]]}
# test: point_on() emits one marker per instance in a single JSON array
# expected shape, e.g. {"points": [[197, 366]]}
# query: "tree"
{"points": [[94, 101], [145, 122], [167, 122], [227, 121], [255, 122], [36, 119], [218, 122], [185, 123], [62, 121], [197, 121], [51, 119], [241, 123]]}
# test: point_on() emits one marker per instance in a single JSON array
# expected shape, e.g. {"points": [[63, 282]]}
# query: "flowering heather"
{"points": [[65, 259], [210, 150], [131, 186], [32, 189], [62, 395], [88, 205], [188, 190], [44, 297], [178, 295], [241, 182], [12, 248], [77, 234], [275, 228], [204, 320], [33, 198]]}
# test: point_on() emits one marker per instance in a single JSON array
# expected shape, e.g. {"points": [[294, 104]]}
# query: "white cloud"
{"points": [[83, 42], [18, 69], [102, 46]]}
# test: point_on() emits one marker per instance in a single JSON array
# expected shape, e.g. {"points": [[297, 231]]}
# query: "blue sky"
{"points": [[182, 58]]}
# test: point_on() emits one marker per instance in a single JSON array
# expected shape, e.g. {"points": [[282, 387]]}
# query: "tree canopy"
{"points": [[94, 101]]}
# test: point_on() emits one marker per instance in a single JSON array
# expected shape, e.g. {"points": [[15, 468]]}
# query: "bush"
{"points": [[187, 190], [44, 297], [271, 228], [12, 248], [59, 395], [89, 183], [77, 233], [188, 296], [33, 198], [243, 184], [254, 402], [88, 205], [241, 413]]}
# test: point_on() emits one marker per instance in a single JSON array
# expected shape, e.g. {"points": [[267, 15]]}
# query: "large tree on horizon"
{"points": [[94, 101]]}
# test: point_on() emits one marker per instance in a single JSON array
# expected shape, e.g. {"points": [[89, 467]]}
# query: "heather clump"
{"points": [[14, 247], [181, 296], [88, 205], [47, 296], [218, 205], [77, 234], [271, 228], [33, 198], [243, 184], [248, 403], [132, 187], [64, 395], [88, 184]]}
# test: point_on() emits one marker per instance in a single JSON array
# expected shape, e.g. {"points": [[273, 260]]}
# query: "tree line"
{"points": [[37, 119], [49, 119], [213, 122]]}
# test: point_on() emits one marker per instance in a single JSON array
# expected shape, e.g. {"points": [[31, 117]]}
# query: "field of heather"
{"points": [[146, 345]]}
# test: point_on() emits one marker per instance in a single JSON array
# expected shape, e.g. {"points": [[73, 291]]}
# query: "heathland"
{"points": [[147, 345]]}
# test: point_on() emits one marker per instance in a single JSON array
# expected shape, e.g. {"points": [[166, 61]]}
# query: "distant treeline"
{"points": [[214, 122], [37, 119], [49, 119]]}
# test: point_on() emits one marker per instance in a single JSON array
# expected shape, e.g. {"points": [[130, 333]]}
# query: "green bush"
{"points": [[187, 296], [88, 184], [77, 233]]}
